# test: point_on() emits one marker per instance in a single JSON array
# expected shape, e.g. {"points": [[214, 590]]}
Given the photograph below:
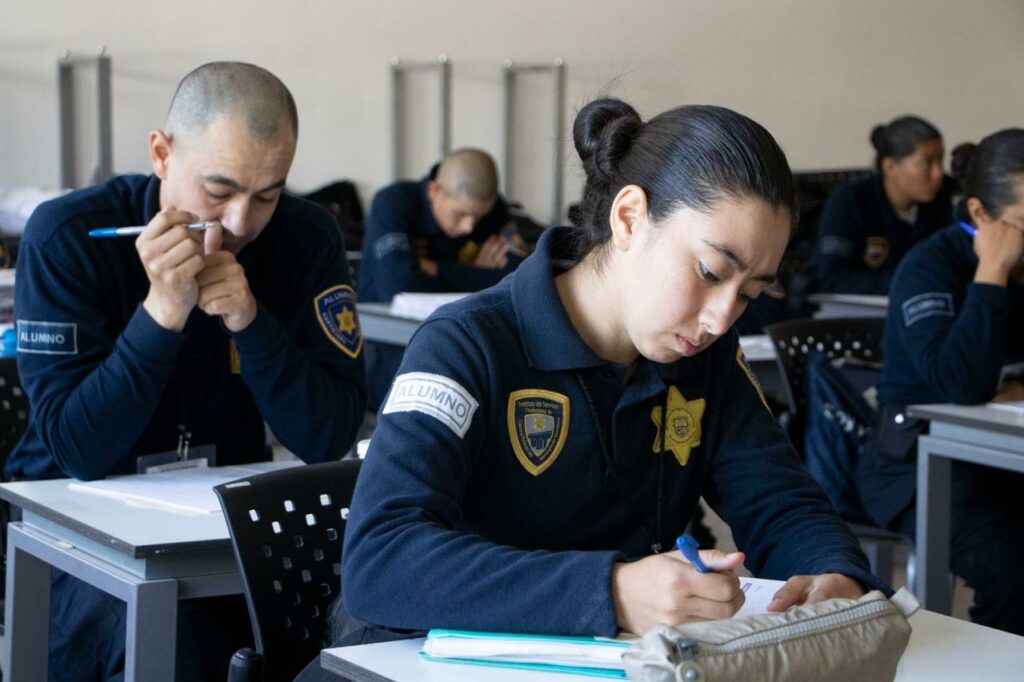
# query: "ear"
{"points": [[434, 190], [160, 145], [977, 211], [888, 163], [628, 215]]}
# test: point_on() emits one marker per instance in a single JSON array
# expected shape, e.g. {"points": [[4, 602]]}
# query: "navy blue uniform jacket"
{"points": [[401, 228], [861, 239], [485, 503], [946, 339], [106, 383]]}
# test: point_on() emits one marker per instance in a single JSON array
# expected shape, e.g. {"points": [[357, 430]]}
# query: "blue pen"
{"points": [[137, 230], [691, 550]]}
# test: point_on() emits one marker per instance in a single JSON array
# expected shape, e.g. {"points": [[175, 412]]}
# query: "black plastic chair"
{"points": [[857, 339], [286, 528], [13, 420], [13, 407]]}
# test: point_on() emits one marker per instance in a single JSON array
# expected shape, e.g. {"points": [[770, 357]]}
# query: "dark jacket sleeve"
{"points": [[406, 564], [958, 353], [457, 277], [778, 514], [838, 263], [307, 379], [90, 405], [390, 248]]}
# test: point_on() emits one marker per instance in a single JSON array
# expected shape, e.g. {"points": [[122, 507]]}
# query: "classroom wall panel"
{"points": [[817, 73]]}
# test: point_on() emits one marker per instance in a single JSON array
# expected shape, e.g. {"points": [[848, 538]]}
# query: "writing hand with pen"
{"points": [[700, 584]]}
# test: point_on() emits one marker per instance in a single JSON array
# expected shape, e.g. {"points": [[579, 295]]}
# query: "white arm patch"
{"points": [[435, 395], [927, 305], [836, 246]]}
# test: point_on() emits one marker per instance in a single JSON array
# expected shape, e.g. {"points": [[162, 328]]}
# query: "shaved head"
{"points": [[253, 95], [469, 173]]}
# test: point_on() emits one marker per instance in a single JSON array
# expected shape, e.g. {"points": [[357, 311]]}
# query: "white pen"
{"points": [[137, 230]]}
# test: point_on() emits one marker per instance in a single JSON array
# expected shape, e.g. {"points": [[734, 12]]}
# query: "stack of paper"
{"points": [[1013, 407], [594, 656], [185, 491], [420, 306]]}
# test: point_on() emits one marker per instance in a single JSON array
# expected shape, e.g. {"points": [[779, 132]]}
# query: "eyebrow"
{"points": [[738, 262], [224, 180]]}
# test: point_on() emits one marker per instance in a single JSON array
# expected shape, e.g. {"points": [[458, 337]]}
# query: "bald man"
{"points": [[137, 352], [449, 232]]}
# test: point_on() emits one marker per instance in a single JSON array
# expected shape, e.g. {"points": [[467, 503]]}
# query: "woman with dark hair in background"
{"points": [[546, 440], [868, 224], [956, 317]]}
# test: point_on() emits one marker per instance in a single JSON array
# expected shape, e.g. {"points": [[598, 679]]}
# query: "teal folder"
{"points": [[591, 656]]}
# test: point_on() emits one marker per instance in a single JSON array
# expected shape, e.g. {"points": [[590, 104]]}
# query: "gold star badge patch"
{"points": [[683, 431]]}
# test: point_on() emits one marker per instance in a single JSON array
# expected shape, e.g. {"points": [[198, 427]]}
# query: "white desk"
{"points": [[849, 305], [941, 648], [149, 558], [980, 434]]}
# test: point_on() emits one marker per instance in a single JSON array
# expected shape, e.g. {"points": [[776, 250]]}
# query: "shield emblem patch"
{"points": [[876, 251], [538, 423], [336, 312]]}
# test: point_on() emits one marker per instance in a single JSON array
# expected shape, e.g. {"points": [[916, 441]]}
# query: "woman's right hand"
{"points": [[999, 246], [667, 589]]}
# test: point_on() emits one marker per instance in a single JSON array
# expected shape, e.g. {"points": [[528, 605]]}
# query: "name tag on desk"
{"points": [[198, 457]]}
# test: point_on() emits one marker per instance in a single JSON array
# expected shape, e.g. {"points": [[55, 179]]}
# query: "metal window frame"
{"points": [[399, 69], [557, 71], [104, 107]]}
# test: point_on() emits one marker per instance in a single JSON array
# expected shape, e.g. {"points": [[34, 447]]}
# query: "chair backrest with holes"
{"points": [[287, 528], [855, 337], [13, 407]]}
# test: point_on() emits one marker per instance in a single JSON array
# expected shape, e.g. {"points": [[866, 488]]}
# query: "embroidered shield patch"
{"points": [[336, 312], [876, 251], [538, 423]]}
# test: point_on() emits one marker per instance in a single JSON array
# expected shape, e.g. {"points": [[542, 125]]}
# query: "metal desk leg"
{"points": [[933, 511], [152, 631], [27, 613]]}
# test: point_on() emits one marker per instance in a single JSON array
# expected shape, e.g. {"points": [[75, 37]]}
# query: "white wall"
{"points": [[817, 73]]}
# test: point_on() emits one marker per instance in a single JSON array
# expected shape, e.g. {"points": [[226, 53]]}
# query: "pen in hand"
{"points": [[691, 550], [136, 230]]}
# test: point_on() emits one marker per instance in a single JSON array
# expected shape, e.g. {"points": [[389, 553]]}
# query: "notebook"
{"points": [[590, 656]]}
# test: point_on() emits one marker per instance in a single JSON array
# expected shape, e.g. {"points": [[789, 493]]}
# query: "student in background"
{"points": [[449, 232], [868, 224], [547, 440], [956, 315], [183, 339]]}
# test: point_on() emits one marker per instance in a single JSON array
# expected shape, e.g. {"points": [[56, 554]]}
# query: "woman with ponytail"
{"points": [[547, 440], [956, 316], [868, 224]]}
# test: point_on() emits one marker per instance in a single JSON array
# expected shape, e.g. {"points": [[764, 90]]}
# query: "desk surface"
{"points": [[941, 648], [974, 416], [135, 531]]}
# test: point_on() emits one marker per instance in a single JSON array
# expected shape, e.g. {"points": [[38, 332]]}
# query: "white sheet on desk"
{"points": [[759, 593], [420, 306], [185, 491], [1014, 406]]}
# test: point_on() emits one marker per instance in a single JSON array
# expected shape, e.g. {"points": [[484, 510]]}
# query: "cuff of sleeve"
{"points": [[262, 337], [597, 613], [146, 338], [991, 295]]}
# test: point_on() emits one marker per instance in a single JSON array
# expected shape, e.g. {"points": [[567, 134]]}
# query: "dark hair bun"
{"points": [[960, 158], [603, 133], [878, 139]]}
